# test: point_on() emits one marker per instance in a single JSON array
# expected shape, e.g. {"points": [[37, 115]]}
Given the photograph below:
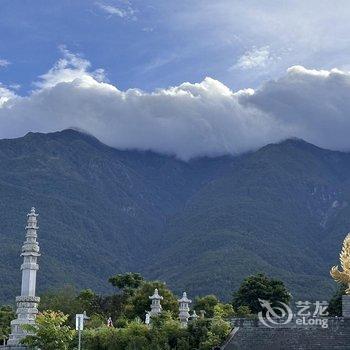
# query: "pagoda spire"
{"points": [[27, 302]]}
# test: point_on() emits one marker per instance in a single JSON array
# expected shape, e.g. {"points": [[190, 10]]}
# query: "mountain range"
{"points": [[201, 226]]}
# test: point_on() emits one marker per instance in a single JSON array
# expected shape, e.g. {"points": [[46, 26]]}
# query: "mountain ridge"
{"points": [[194, 224]]}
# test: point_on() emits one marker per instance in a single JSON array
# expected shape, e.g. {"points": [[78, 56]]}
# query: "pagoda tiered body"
{"points": [[27, 302]]}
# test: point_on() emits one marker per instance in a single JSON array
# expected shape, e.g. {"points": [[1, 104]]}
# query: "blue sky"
{"points": [[187, 78], [151, 44]]}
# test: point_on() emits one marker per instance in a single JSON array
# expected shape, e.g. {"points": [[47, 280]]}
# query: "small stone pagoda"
{"points": [[156, 307], [184, 309], [27, 302]]}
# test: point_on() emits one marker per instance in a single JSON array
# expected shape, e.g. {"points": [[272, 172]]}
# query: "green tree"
{"points": [[101, 338], [135, 336], [257, 287], [127, 282], [243, 311], [224, 310], [206, 334], [112, 306], [219, 329], [90, 302], [165, 333], [6, 316], [95, 321], [49, 332], [198, 332], [206, 303], [63, 299], [335, 303]]}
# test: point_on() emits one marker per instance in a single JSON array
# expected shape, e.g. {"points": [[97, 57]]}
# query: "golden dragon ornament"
{"points": [[343, 276]]}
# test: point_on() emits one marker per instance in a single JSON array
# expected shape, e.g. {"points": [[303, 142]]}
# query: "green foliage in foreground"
{"points": [[49, 332], [6, 316], [164, 334], [54, 329]]}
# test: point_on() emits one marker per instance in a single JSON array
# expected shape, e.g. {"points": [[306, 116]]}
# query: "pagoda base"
{"points": [[27, 309]]}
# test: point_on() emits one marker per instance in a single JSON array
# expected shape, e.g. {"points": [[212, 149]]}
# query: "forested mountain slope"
{"points": [[201, 225]]}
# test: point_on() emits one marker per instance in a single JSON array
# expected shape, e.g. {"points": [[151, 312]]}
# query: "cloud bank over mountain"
{"points": [[189, 120]]}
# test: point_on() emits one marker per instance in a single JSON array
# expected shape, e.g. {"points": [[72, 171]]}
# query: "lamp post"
{"points": [[79, 325]]}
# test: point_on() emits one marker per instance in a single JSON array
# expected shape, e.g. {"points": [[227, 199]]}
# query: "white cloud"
{"points": [[15, 86], [297, 32], [67, 69], [256, 58], [189, 120], [148, 29], [4, 63], [312, 104], [123, 12], [159, 62], [6, 94]]}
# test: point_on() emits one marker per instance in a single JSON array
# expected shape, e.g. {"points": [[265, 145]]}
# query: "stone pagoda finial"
{"points": [[184, 309], [194, 315], [156, 307], [27, 302], [32, 212]]}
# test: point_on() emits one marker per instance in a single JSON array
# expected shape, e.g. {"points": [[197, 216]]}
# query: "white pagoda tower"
{"points": [[27, 303], [156, 307], [184, 309]]}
